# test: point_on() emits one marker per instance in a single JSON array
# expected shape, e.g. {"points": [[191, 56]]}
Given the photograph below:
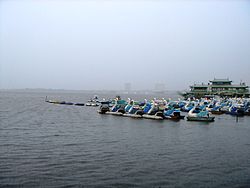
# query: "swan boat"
{"points": [[198, 114]]}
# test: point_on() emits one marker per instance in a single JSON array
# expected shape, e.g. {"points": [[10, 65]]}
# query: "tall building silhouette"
{"points": [[127, 87]]}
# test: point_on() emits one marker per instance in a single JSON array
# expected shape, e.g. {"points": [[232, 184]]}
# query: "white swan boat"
{"points": [[196, 114]]}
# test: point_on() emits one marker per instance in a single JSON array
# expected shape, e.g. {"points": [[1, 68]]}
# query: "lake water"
{"points": [[48, 145]]}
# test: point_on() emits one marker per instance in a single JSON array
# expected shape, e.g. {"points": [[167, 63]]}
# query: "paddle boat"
{"points": [[247, 111], [153, 111], [247, 107], [133, 109], [236, 109], [93, 101], [172, 110], [188, 106], [199, 114], [52, 101], [104, 107], [118, 108], [173, 114], [217, 110]]}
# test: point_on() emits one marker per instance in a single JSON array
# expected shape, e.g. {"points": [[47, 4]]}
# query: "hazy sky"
{"points": [[104, 44]]}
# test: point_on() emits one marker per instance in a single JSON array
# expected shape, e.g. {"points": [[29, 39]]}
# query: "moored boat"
{"points": [[175, 115], [199, 114], [104, 108], [118, 108], [133, 109], [153, 111]]}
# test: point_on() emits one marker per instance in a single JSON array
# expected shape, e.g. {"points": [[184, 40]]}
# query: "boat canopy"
{"points": [[121, 102]]}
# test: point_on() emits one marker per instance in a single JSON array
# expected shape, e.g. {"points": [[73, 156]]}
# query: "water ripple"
{"points": [[45, 145]]}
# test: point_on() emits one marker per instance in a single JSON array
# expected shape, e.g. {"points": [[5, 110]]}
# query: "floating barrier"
{"points": [[63, 102], [205, 119], [79, 104]]}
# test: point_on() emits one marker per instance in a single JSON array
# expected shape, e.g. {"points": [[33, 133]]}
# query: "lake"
{"points": [[49, 145]]}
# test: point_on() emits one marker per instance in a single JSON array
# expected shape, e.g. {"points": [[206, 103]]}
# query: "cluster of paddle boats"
{"points": [[203, 109]]}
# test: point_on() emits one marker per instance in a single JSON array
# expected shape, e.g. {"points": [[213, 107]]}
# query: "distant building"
{"points": [[159, 88], [127, 87], [221, 87]]}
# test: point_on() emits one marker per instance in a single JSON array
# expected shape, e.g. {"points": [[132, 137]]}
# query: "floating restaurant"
{"points": [[221, 87]]}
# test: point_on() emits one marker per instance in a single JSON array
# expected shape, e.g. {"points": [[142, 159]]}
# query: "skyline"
{"points": [[101, 45]]}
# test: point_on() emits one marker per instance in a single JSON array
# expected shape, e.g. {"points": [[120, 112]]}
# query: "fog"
{"points": [[87, 45]]}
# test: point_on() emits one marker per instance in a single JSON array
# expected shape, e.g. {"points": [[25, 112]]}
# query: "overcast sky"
{"points": [[104, 44]]}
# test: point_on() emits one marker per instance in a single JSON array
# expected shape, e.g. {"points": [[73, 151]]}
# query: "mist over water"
{"points": [[47, 145], [88, 45], [135, 49]]}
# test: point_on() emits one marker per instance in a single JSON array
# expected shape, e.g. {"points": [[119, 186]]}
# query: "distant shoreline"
{"points": [[90, 91]]}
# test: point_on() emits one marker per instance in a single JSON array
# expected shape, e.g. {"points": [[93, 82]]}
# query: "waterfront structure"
{"points": [[127, 87], [221, 87]]}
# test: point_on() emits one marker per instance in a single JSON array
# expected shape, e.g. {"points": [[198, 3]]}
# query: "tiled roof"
{"points": [[200, 85], [220, 80]]}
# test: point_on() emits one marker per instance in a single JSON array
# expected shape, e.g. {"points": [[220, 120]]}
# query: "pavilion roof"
{"points": [[220, 80]]}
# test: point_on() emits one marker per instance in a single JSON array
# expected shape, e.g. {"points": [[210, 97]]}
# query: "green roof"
{"points": [[229, 86], [220, 80], [200, 85]]}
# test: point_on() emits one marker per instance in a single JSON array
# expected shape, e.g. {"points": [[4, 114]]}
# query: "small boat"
{"points": [[189, 105], [247, 108], [217, 110], [152, 111], [198, 114], [136, 114], [104, 108], [118, 108], [173, 113], [133, 109], [174, 116], [53, 102], [236, 109], [247, 112], [93, 102]]}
